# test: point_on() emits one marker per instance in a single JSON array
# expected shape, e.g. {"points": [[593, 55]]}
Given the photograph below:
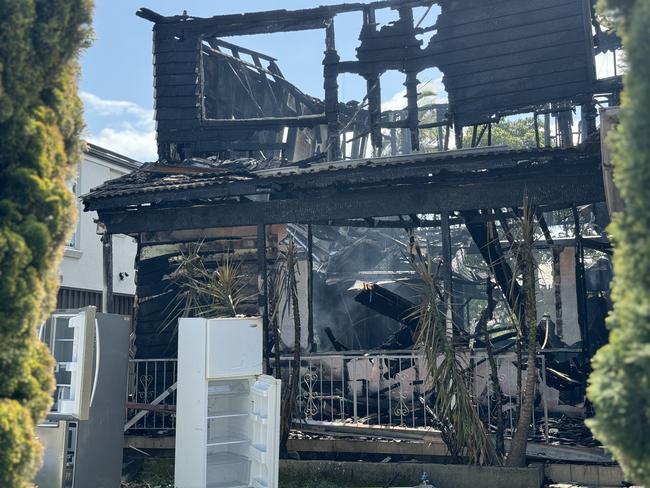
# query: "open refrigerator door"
{"points": [[70, 336], [265, 423]]}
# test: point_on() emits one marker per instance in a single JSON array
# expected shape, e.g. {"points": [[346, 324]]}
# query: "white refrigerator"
{"points": [[227, 412]]}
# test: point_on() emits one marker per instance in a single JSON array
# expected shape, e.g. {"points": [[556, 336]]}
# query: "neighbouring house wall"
{"points": [[82, 265], [570, 324], [563, 312]]}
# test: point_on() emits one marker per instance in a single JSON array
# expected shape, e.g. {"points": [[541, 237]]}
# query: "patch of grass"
{"points": [[156, 473]]}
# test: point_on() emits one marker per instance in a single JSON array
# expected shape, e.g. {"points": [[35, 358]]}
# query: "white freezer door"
{"points": [[265, 441], [233, 347], [70, 337]]}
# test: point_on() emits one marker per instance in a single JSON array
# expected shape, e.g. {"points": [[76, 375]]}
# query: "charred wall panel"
{"points": [[176, 87], [202, 90], [503, 57], [161, 300]]}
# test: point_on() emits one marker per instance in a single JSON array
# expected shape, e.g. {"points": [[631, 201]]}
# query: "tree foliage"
{"points": [[620, 384], [516, 133], [40, 123]]}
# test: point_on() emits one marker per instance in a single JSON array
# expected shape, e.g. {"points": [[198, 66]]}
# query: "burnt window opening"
{"points": [[238, 83]]}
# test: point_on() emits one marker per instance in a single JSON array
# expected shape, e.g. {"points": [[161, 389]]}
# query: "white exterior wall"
{"points": [[82, 266]]}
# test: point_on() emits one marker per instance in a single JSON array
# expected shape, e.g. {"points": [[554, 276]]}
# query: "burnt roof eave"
{"points": [[261, 181]]}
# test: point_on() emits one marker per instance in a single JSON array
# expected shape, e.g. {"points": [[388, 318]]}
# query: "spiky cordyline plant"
{"points": [[277, 285], [525, 260], [202, 292], [288, 280], [453, 403]]}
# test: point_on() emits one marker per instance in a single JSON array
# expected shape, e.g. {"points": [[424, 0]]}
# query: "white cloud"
{"points": [[104, 107], [126, 127], [398, 100], [132, 143]]}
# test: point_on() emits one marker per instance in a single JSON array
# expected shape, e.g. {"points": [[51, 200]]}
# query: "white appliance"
{"points": [[227, 411], [70, 336], [91, 354]]}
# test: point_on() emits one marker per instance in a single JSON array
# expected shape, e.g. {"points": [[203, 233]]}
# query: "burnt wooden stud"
{"points": [[412, 109], [330, 75], [263, 293], [107, 258], [310, 289]]}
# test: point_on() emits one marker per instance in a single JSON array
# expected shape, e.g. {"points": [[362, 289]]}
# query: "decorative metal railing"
{"points": [[374, 388], [151, 395]]}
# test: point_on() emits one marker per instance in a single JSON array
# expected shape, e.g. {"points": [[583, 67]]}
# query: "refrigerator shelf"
{"points": [[224, 441], [218, 396], [226, 415], [227, 388]]}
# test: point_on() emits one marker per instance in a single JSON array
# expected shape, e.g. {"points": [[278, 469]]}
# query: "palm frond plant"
{"points": [[199, 291], [465, 434]]}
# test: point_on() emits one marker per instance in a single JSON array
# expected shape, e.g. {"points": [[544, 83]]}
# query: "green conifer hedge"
{"points": [[620, 383], [40, 123]]}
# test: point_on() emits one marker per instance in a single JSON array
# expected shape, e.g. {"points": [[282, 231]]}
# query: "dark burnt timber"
{"points": [[324, 192], [497, 59], [203, 182], [387, 303], [486, 238]]}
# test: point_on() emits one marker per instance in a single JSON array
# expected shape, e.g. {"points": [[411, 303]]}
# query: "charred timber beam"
{"points": [[412, 108], [310, 289], [543, 225], [396, 307], [391, 305], [422, 223], [107, 255], [268, 122], [373, 85], [235, 47], [486, 239], [387, 303], [263, 294], [374, 202], [272, 20], [330, 84]]}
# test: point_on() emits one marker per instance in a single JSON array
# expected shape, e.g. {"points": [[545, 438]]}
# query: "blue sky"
{"points": [[116, 81]]}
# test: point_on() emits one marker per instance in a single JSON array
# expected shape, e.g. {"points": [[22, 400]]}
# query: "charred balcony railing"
{"points": [[395, 389], [372, 388]]}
